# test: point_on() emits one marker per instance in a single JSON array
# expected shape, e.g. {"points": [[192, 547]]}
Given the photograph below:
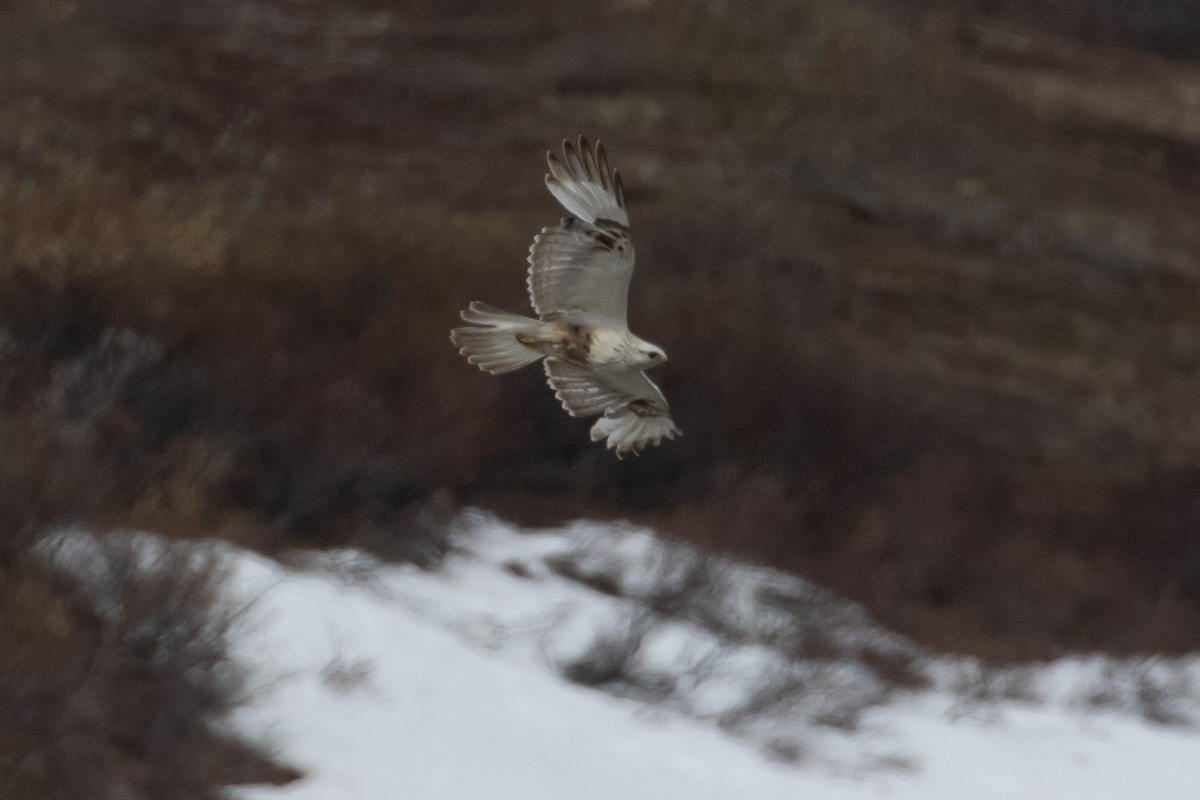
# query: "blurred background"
{"points": [[927, 272]]}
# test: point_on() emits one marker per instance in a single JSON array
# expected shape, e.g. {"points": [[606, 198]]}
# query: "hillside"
{"points": [[927, 276]]}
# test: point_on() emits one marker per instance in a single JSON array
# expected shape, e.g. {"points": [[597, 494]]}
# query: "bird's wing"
{"points": [[584, 264], [580, 267], [585, 185], [635, 413]]}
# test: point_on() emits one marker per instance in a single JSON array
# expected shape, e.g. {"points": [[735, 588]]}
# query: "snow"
{"points": [[384, 682]]}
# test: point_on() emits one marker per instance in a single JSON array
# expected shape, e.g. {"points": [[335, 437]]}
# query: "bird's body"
{"points": [[578, 283], [608, 346]]}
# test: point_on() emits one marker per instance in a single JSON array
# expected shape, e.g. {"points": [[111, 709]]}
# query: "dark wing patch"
{"points": [[633, 411], [578, 266], [585, 185]]}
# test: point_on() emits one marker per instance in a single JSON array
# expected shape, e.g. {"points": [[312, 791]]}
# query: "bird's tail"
{"points": [[498, 341]]}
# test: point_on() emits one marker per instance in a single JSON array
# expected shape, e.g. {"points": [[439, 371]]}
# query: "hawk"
{"points": [[579, 273]]}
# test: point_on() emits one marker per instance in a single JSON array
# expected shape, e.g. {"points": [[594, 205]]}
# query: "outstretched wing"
{"points": [[585, 263], [585, 185], [635, 413]]}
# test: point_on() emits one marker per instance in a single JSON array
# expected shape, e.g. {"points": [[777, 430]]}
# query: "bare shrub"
{"points": [[784, 750], [116, 683], [778, 651], [1160, 698], [773, 693], [106, 424], [903, 669], [345, 676], [612, 662], [601, 580], [608, 660], [980, 687], [1155, 689]]}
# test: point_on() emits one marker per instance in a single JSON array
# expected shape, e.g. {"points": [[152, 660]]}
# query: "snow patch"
{"points": [[385, 681]]}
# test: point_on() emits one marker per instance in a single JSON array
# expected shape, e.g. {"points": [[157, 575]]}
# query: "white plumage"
{"points": [[579, 272]]}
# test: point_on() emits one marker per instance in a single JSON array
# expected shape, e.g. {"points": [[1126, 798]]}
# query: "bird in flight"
{"points": [[579, 273]]}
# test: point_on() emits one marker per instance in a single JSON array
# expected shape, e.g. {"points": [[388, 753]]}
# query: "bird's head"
{"points": [[652, 355]]}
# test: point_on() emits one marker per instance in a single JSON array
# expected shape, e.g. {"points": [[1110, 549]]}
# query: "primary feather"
{"points": [[635, 412], [582, 181]]}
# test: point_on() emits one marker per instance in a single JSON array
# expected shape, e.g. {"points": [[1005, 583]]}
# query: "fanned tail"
{"points": [[494, 342]]}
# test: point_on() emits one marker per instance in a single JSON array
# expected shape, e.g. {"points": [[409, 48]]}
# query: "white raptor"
{"points": [[579, 273]]}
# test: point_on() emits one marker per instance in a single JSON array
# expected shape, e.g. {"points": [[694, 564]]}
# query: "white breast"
{"points": [[610, 345]]}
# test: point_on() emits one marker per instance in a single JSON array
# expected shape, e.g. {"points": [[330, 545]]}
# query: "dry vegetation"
{"points": [[795, 655], [116, 684], [927, 271], [928, 277]]}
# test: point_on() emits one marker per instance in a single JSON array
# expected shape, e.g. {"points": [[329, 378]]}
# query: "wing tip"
{"points": [[626, 437], [581, 179]]}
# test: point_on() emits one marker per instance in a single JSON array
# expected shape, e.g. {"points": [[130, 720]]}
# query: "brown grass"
{"points": [[932, 333]]}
